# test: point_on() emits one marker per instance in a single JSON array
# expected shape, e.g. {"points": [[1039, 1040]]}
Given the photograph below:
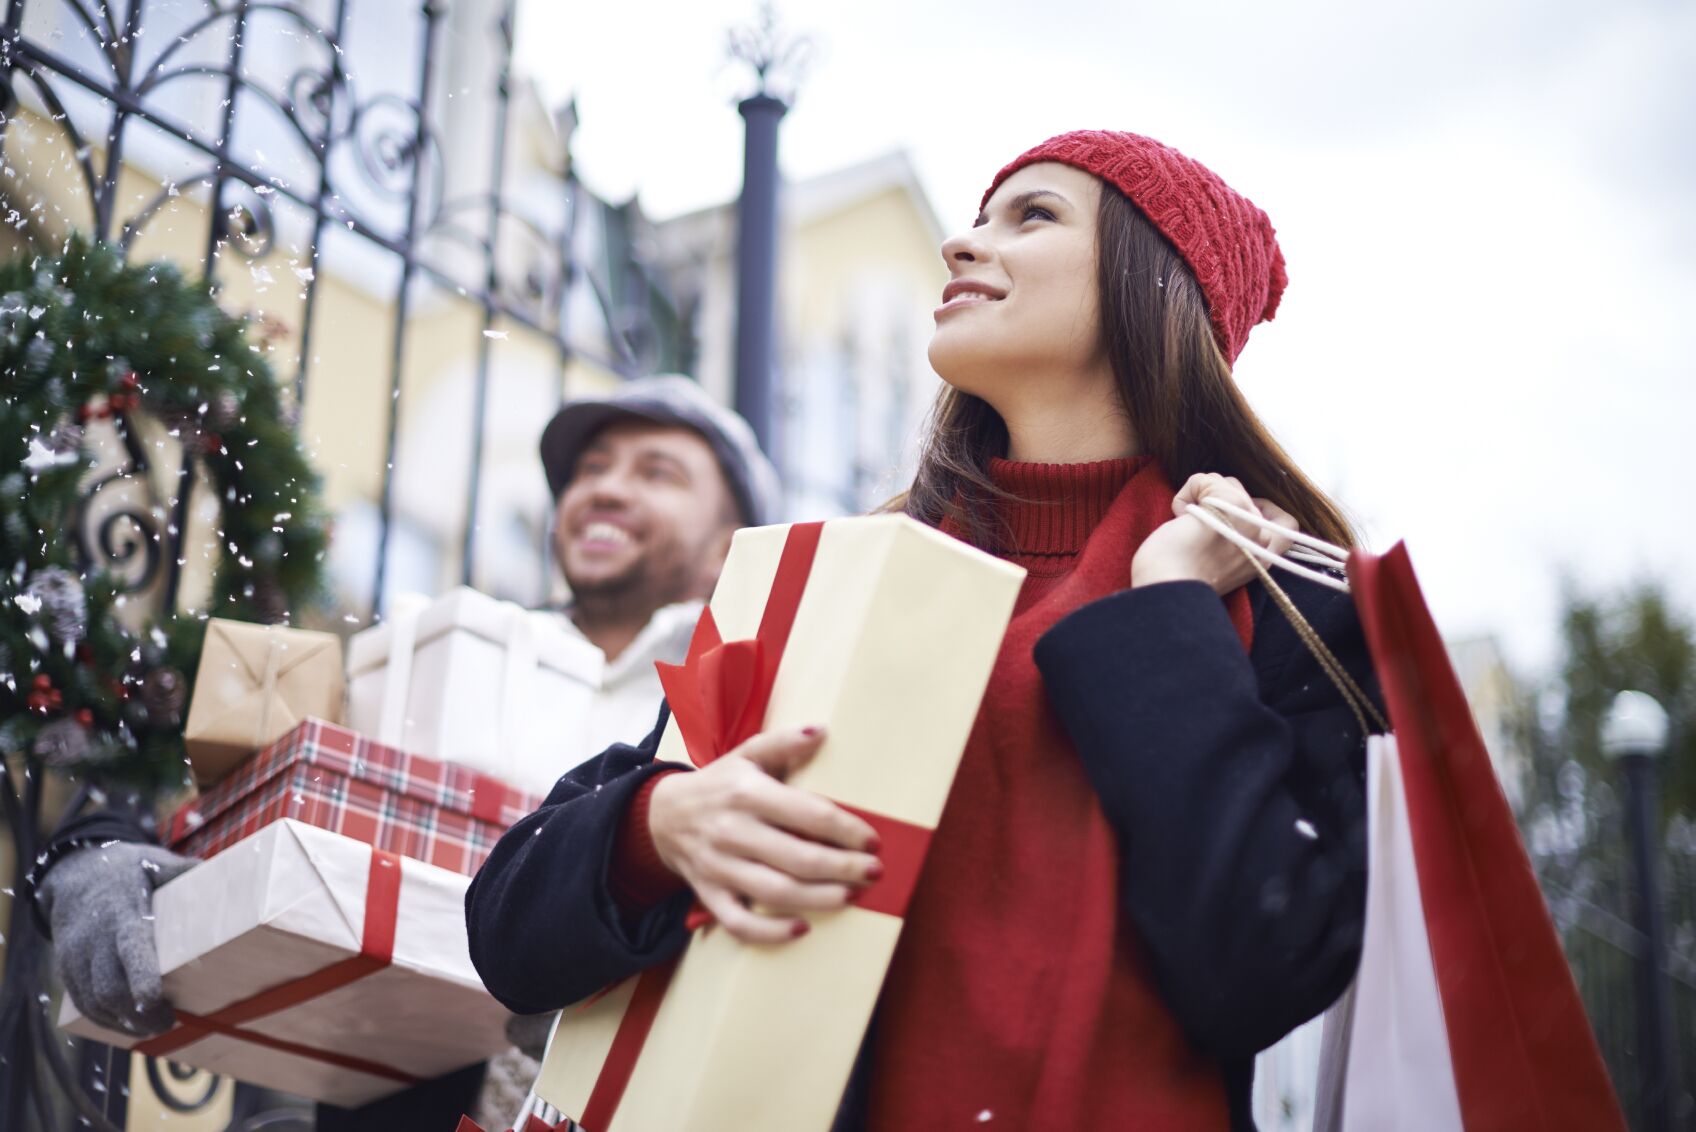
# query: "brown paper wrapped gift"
{"points": [[884, 631], [255, 683]]}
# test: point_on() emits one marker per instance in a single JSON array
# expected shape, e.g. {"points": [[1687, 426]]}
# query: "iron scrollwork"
{"points": [[129, 538]]}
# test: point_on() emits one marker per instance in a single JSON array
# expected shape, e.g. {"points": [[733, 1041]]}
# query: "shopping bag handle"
{"points": [[1259, 556]]}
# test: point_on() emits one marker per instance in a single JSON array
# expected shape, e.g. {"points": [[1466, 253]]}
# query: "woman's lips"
{"points": [[961, 293]]}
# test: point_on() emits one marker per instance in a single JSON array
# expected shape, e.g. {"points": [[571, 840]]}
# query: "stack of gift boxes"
{"points": [[321, 947]]}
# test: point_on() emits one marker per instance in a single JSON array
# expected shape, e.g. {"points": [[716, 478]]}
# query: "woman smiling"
{"points": [[1152, 862]]}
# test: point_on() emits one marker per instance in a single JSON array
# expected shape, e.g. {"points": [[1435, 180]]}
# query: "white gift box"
{"points": [[272, 956], [472, 680]]}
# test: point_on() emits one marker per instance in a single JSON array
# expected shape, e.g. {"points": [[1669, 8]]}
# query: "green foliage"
{"points": [[85, 332], [1633, 639], [1575, 817]]}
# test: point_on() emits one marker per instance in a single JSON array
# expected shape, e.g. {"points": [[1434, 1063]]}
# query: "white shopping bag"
{"points": [[1464, 1014]]}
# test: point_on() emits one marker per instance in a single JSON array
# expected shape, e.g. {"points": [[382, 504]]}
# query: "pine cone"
{"points": [[65, 437], [225, 413], [270, 602], [162, 693], [63, 742], [64, 609]]}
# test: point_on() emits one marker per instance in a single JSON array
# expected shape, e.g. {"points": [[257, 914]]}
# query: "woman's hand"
{"points": [[740, 837], [1186, 549]]}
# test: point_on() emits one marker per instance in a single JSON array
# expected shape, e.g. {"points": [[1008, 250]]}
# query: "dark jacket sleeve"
{"points": [[1234, 782], [545, 930]]}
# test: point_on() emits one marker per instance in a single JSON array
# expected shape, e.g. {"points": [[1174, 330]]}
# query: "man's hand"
{"points": [[1186, 549], [741, 839], [99, 904]]}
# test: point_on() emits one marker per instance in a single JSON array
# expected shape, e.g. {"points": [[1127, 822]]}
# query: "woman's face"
{"points": [[1021, 303]]}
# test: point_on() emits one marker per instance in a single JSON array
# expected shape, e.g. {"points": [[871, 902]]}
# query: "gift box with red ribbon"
{"points": [[884, 631], [336, 779], [309, 962]]}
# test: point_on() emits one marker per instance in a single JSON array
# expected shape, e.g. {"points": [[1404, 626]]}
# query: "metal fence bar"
{"points": [[480, 407], [320, 221], [218, 229], [409, 263]]}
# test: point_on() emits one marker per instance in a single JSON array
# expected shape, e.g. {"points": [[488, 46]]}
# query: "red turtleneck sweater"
{"points": [[1018, 997]]}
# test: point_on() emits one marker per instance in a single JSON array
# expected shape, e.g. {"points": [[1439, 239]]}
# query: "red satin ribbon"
{"points": [[719, 696], [376, 951], [626, 1047], [720, 692]]}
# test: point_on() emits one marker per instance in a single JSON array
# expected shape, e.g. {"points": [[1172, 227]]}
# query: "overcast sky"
{"points": [[1487, 210]]}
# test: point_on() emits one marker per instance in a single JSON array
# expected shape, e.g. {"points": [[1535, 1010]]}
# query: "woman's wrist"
{"points": [[1155, 573], [639, 874]]}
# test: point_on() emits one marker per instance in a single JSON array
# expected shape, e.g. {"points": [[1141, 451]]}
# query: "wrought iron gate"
{"points": [[315, 127]]}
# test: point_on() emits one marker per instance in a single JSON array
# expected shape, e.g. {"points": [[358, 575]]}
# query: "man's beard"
{"points": [[633, 594]]}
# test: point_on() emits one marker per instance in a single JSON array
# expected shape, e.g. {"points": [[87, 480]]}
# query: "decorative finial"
{"points": [[778, 60]]}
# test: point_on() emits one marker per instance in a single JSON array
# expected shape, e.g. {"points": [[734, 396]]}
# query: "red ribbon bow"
{"points": [[720, 692]]}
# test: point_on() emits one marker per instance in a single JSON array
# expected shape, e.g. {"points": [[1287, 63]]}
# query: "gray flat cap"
{"points": [[669, 399]]}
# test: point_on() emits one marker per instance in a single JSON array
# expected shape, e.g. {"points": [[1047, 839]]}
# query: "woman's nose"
{"points": [[964, 247]]}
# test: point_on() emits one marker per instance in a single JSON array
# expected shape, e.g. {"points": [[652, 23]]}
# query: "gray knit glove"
{"points": [[99, 904]]}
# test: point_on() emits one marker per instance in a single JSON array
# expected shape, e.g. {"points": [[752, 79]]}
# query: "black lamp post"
{"points": [[763, 48], [756, 263], [1634, 734]]}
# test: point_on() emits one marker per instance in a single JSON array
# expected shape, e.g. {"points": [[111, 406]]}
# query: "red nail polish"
{"points": [[873, 844], [799, 928], [809, 732], [875, 872]]}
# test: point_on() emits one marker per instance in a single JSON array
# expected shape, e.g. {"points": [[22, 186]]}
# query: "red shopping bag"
{"points": [[1453, 905]]}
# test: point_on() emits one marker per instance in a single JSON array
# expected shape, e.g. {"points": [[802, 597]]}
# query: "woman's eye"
{"points": [[1036, 212]]}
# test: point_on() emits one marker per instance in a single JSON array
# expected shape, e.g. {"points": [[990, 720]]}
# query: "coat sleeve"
{"points": [[1234, 784], [544, 929]]}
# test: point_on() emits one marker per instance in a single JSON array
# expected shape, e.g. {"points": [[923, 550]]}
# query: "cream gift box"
{"points": [[893, 637], [305, 961], [472, 680], [254, 684]]}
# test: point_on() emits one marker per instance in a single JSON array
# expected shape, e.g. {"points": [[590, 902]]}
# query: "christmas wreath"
{"points": [[85, 336]]}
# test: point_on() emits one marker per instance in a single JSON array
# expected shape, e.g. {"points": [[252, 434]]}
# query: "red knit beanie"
{"points": [[1225, 239]]}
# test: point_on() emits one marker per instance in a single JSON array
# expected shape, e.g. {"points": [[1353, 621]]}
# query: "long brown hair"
{"points": [[1173, 380]]}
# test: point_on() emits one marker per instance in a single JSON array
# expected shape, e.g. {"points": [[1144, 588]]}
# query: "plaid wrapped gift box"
{"points": [[327, 776]]}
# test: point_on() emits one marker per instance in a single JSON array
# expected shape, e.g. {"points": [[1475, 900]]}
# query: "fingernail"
{"points": [[874, 872], [873, 844], [809, 732], [799, 928]]}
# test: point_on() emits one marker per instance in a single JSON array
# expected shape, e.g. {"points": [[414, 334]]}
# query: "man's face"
{"points": [[645, 517]]}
